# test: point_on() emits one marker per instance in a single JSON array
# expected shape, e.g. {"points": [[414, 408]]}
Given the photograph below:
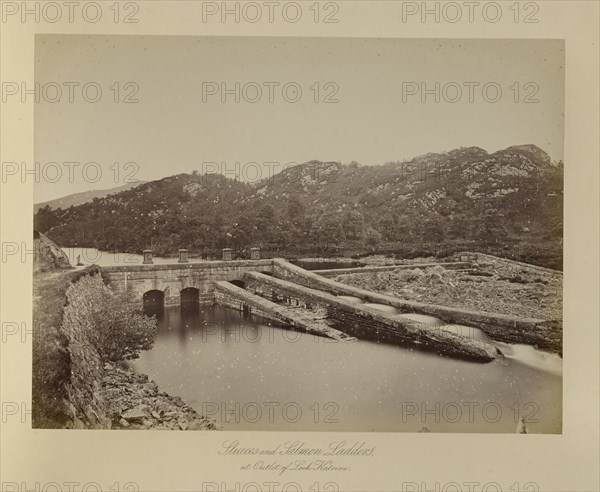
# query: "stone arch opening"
{"points": [[153, 302], [239, 283], [189, 296]]}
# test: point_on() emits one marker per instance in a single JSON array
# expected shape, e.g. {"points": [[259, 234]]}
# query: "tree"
{"points": [[353, 224], [326, 232], [44, 219], [433, 228], [95, 315], [243, 232], [118, 331], [296, 211], [372, 238]]}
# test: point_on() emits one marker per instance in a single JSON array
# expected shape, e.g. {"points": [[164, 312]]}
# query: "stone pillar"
{"points": [[183, 256], [254, 253], [226, 254], [147, 257]]}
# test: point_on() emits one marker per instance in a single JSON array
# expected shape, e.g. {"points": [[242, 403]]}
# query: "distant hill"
{"points": [[83, 197], [508, 202]]}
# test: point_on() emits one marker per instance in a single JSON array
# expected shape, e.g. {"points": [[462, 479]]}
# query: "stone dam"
{"points": [[284, 293]]}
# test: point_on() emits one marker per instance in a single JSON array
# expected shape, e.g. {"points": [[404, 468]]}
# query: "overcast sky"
{"points": [[177, 125]]}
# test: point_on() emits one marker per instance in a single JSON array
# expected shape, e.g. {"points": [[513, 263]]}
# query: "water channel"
{"points": [[248, 374]]}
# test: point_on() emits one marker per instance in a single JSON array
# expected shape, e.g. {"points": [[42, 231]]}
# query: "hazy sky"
{"points": [[177, 125]]}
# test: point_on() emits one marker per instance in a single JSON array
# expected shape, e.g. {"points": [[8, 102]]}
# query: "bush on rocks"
{"points": [[112, 326], [121, 332]]}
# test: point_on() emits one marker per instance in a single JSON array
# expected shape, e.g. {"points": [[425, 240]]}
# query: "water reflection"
{"points": [[227, 366]]}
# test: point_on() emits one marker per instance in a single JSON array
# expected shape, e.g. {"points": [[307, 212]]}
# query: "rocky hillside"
{"points": [[508, 202]]}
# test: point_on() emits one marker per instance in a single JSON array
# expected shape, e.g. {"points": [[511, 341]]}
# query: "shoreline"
{"points": [[75, 389], [135, 402]]}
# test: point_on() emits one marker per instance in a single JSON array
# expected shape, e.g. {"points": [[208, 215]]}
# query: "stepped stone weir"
{"points": [[230, 295], [310, 302], [369, 323], [500, 327]]}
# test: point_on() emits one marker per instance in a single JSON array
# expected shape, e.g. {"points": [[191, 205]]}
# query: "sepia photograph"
{"points": [[298, 234], [311, 245]]}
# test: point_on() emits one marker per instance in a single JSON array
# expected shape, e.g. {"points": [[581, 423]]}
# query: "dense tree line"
{"points": [[365, 209]]}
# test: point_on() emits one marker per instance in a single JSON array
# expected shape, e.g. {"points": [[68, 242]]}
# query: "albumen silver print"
{"points": [[302, 234], [311, 245]]}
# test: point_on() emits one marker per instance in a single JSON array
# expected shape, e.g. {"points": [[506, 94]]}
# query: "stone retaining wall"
{"points": [[390, 268], [86, 403], [506, 261]]}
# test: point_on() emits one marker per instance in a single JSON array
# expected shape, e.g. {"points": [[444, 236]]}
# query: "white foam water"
{"points": [[530, 356], [521, 353]]}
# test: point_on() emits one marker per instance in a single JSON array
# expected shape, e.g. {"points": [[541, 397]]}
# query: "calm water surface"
{"points": [[250, 375]]}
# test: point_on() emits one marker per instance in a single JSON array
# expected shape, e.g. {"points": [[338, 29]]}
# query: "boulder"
{"points": [[139, 412]]}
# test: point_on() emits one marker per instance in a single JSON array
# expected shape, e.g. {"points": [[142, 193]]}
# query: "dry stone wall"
{"points": [[87, 405]]}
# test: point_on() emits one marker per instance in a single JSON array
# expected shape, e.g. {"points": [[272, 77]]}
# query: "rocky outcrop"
{"points": [[47, 255], [103, 396], [134, 402], [509, 301]]}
